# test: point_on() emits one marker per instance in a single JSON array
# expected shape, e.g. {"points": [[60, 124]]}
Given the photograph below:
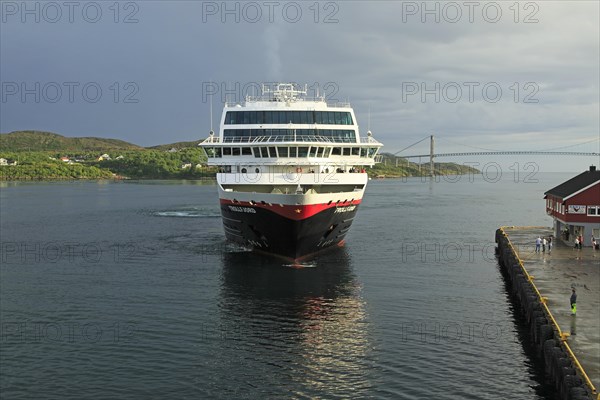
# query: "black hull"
{"points": [[270, 232]]}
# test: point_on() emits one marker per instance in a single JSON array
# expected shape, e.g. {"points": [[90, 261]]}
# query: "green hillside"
{"points": [[35, 155], [48, 141]]}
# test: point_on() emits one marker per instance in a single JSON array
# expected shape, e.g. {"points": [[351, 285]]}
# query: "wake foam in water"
{"points": [[189, 213], [231, 247], [301, 265]]}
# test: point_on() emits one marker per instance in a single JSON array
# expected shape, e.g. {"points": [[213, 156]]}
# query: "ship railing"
{"points": [[271, 99], [369, 139], [289, 138], [210, 139], [339, 104], [285, 138], [257, 99]]}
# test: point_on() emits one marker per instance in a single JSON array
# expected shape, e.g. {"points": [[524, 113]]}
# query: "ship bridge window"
{"points": [[372, 152], [336, 151], [213, 152], [338, 118], [346, 151], [302, 151], [246, 151], [304, 118], [320, 152], [293, 151], [355, 151], [263, 152], [283, 151], [319, 117], [235, 151], [268, 117], [273, 152], [256, 152], [227, 151], [327, 152], [244, 135], [313, 151], [331, 118], [285, 117], [363, 152]]}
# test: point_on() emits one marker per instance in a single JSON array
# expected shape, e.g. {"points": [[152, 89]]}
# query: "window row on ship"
{"points": [[335, 135], [291, 151], [286, 117]]}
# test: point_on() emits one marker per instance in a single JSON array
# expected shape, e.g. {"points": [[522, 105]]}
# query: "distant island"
{"points": [[36, 155]]}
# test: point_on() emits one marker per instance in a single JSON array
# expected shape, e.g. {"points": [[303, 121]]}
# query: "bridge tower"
{"points": [[431, 164]]}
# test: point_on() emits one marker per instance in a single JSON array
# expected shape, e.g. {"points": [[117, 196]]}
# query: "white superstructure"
{"points": [[280, 140]]}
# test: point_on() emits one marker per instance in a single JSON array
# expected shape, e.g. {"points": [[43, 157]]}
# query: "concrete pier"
{"points": [[545, 279]]}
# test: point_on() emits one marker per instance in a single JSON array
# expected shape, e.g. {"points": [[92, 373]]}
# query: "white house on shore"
{"points": [[5, 161]]}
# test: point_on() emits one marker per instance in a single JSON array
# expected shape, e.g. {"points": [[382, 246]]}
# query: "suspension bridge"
{"points": [[559, 151]]}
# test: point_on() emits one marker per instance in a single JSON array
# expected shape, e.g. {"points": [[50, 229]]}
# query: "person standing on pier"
{"points": [[544, 243], [573, 301], [549, 244], [538, 242]]}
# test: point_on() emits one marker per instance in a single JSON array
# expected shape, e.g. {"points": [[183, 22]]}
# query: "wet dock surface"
{"points": [[555, 273]]}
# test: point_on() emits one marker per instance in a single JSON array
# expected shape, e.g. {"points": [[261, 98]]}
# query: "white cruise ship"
{"points": [[292, 171]]}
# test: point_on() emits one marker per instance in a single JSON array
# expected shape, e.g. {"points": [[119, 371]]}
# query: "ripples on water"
{"points": [[191, 213], [166, 308]]}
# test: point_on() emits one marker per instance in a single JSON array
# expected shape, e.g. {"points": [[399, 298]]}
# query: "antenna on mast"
{"points": [[211, 114], [369, 133], [211, 133]]}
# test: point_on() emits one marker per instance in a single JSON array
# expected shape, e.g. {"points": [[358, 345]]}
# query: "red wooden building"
{"points": [[575, 207]]}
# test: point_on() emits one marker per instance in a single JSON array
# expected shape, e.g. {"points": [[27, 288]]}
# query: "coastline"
{"points": [[210, 178]]}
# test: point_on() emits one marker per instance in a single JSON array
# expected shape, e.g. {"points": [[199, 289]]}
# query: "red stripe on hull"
{"points": [[295, 212]]}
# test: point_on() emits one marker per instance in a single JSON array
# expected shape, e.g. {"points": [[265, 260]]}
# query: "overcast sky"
{"points": [[493, 75]]}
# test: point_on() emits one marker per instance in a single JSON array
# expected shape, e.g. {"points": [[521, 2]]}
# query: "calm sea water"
{"points": [[128, 290]]}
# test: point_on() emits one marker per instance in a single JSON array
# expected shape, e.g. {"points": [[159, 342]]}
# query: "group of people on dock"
{"points": [[579, 242], [542, 243]]}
